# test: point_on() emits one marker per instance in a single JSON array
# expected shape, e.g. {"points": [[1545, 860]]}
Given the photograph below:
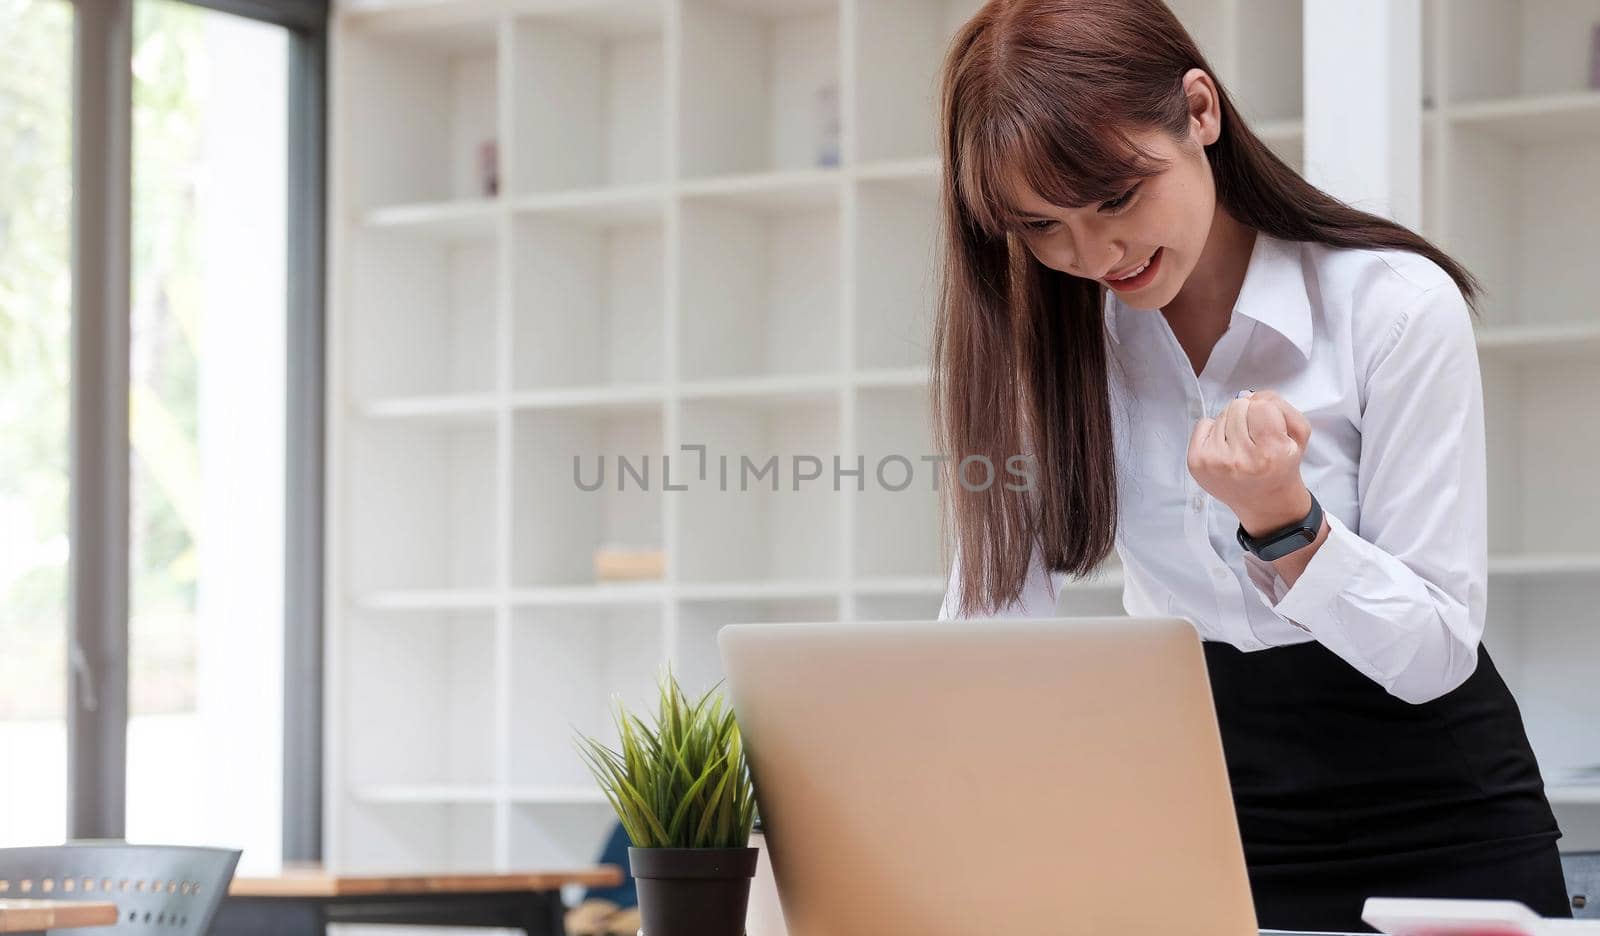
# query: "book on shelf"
{"points": [[615, 562]]}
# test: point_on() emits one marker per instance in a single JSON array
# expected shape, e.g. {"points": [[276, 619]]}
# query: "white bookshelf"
{"points": [[1511, 142], [670, 259]]}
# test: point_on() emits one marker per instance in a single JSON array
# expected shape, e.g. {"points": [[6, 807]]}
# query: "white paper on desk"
{"points": [[1439, 917]]}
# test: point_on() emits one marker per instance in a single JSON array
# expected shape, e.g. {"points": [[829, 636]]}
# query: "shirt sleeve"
{"points": [[1037, 599], [1403, 599]]}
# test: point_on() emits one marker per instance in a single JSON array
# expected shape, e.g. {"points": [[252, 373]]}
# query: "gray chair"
{"points": [[170, 890], [1582, 871]]}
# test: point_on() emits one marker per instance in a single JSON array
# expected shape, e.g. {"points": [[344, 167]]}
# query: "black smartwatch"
{"points": [[1280, 543]]}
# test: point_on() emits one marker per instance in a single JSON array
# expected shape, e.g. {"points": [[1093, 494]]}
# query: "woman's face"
{"points": [[1159, 224]]}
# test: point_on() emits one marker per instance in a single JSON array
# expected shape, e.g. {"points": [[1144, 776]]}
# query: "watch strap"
{"points": [[1282, 542]]}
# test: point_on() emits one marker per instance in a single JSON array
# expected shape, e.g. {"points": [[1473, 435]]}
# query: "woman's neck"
{"points": [[1201, 311]]}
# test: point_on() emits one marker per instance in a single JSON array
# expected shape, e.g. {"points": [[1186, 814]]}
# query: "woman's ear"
{"points": [[1205, 106]]}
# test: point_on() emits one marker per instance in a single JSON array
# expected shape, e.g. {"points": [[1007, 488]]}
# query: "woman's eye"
{"points": [[1119, 201]]}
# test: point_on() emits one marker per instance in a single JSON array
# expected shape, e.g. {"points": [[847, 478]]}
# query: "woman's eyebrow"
{"points": [[1116, 189]]}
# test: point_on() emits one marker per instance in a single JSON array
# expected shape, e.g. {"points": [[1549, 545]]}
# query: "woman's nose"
{"points": [[1096, 266]]}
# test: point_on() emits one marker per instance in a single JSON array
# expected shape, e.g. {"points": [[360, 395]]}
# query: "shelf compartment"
{"points": [[1269, 72], [422, 510], [897, 507], [1554, 684], [424, 706], [418, 838], [589, 100], [558, 523], [424, 311], [900, 46], [1077, 601], [1537, 526], [734, 527], [754, 74], [1211, 28], [897, 282], [759, 288], [429, 149], [1517, 48], [697, 660], [1286, 138], [567, 665], [588, 302], [1530, 251], [569, 834], [885, 607]]}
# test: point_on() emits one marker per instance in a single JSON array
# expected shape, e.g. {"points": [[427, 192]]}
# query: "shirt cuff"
{"points": [[1310, 602]]}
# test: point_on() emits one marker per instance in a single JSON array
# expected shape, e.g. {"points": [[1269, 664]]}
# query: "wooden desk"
{"points": [[36, 916], [303, 901]]}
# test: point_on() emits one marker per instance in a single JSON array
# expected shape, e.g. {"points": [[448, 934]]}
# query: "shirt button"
{"points": [[1198, 502], [1194, 410]]}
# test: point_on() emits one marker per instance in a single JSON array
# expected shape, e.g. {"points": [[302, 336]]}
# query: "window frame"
{"points": [[99, 498]]}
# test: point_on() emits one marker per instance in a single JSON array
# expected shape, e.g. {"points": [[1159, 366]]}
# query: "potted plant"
{"points": [[683, 792]]}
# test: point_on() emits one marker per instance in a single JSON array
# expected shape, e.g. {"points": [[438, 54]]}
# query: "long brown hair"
{"points": [[1051, 89]]}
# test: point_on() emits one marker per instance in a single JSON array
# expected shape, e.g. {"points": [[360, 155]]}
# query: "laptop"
{"points": [[1058, 776]]}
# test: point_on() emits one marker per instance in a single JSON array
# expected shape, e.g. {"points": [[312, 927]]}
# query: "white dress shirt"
{"points": [[1376, 348]]}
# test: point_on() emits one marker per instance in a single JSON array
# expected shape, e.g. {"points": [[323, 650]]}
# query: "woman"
{"points": [[1269, 404]]}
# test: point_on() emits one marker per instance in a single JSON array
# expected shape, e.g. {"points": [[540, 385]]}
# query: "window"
{"points": [[35, 359], [174, 149], [206, 425]]}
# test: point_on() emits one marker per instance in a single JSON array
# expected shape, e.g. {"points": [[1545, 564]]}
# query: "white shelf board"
{"points": [[884, 586], [620, 397], [601, 207], [770, 191], [440, 408], [1536, 119], [1280, 131], [892, 377], [1541, 342], [455, 220], [535, 795], [1574, 795], [1533, 565], [758, 590], [425, 793], [922, 168], [767, 387], [423, 599], [598, 595]]}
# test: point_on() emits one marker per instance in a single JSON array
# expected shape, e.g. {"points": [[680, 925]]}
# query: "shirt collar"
{"points": [[1273, 293]]}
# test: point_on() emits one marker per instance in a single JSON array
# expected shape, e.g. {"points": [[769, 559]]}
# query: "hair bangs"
{"points": [[1070, 166]]}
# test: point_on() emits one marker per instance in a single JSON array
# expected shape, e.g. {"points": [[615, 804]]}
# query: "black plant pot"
{"points": [[693, 891]]}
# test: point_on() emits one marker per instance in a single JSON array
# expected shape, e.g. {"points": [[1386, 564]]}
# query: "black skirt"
{"points": [[1344, 792]]}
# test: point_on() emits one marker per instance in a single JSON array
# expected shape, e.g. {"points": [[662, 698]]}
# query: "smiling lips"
{"points": [[1138, 276]]}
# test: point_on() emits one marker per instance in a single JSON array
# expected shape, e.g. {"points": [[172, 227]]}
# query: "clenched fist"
{"points": [[1249, 458]]}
